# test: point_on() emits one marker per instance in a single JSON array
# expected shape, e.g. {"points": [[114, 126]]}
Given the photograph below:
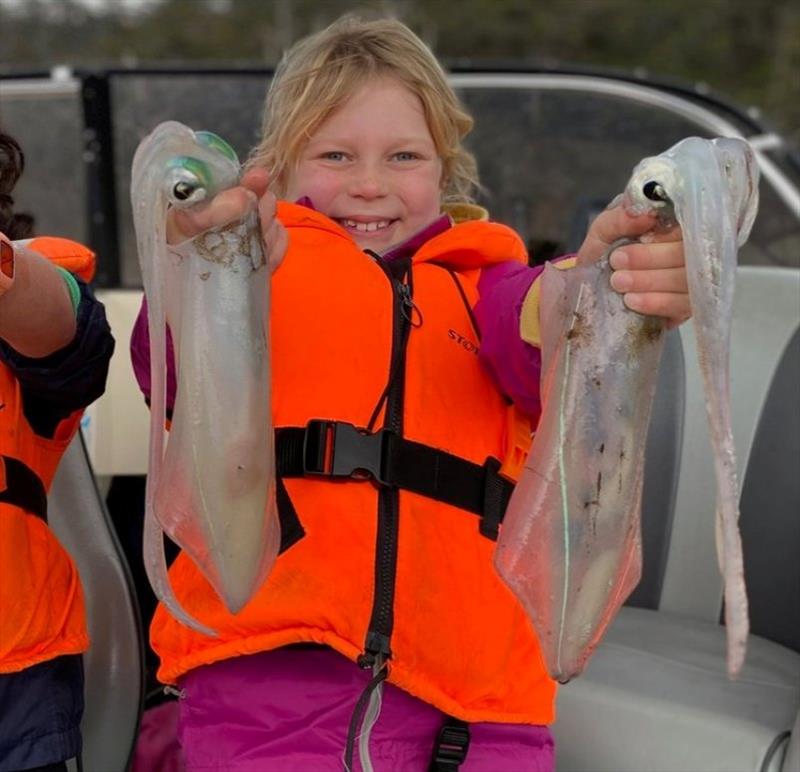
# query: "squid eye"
{"points": [[184, 188], [654, 191], [182, 191], [188, 180]]}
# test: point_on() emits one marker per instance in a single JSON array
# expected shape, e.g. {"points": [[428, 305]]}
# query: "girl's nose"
{"points": [[367, 182]]}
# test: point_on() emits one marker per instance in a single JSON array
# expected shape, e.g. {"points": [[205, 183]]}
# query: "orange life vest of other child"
{"points": [[41, 604], [383, 569]]}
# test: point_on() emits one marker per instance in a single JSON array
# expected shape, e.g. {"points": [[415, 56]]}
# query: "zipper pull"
{"points": [[409, 308], [377, 647]]}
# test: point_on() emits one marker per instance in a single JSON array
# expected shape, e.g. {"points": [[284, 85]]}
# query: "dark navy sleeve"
{"points": [[55, 386]]}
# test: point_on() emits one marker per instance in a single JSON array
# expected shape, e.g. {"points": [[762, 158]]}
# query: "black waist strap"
{"points": [[337, 449], [23, 488]]}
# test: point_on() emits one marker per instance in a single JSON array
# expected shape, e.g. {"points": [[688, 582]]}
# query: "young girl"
{"points": [[55, 346], [403, 396]]}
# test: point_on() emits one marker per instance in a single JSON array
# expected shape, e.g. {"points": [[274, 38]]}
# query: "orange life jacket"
{"points": [[382, 569], [41, 604]]}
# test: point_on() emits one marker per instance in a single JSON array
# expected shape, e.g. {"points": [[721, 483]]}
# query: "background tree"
{"points": [[746, 50]]}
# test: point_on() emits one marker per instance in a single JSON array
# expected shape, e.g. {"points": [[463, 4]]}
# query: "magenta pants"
{"points": [[289, 709]]}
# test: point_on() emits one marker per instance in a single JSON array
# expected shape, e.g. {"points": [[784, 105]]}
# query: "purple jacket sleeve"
{"points": [[140, 358], [514, 364]]}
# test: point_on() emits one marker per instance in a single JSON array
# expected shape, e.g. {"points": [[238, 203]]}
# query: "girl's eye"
{"points": [[406, 155], [334, 155]]}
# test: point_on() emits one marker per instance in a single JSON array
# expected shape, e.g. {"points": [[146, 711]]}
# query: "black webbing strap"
{"points": [[452, 745], [291, 528], [338, 449], [23, 488]]}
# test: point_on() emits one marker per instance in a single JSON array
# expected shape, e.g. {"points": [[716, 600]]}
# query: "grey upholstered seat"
{"points": [[113, 664]]}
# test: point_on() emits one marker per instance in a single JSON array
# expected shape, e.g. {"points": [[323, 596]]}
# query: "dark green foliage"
{"points": [[747, 50]]}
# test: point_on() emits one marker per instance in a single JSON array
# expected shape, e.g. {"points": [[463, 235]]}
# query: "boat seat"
{"points": [[113, 665]]}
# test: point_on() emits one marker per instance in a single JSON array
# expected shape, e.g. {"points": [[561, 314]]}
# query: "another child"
{"points": [[55, 347], [397, 349]]}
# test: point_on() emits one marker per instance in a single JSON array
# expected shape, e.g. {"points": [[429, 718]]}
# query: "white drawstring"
{"points": [[370, 717]]}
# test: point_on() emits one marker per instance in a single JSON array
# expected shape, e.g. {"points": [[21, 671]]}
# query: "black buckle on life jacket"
{"points": [[338, 449], [451, 746]]}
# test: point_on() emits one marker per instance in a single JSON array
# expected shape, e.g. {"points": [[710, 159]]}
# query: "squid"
{"points": [[211, 478], [570, 544]]}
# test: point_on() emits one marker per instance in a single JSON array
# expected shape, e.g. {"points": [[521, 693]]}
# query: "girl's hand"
{"points": [[230, 205], [650, 275]]}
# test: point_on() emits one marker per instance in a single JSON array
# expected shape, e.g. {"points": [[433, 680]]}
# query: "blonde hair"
{"points": [[320, 72]]}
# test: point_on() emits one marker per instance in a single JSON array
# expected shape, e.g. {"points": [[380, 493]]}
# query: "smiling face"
{"points": [[372, 166]]}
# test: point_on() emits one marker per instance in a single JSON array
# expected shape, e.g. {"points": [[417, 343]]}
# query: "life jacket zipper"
{"points": [[379, 634]]}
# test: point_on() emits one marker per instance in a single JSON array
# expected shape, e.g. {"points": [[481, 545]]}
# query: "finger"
{"points": [[270, 235], [662, 234], [610, 226], [672, 306], [655, 280], [230, 205], [256, 180], [267, 208], [276, 245], [616, 223], [272, 232], [642, 257], [672, 323]]}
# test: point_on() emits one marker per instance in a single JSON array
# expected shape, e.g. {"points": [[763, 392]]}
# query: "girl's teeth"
{"points": [[366, 227]]}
